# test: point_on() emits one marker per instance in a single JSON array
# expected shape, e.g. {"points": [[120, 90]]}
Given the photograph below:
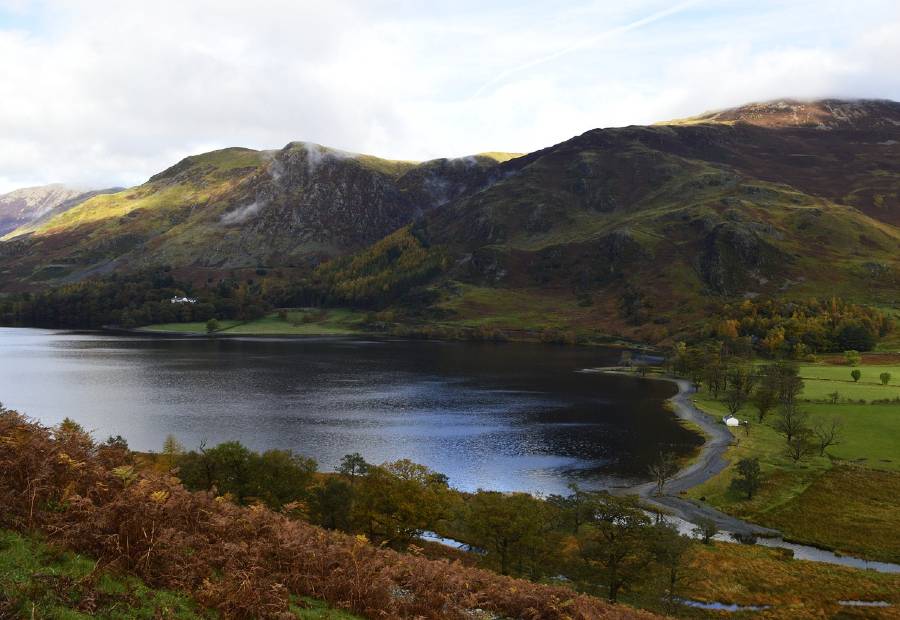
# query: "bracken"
{"points": [[242, 562]]}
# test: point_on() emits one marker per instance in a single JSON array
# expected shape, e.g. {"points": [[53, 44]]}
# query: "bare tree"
{"points": [[827, 434], [791, 421], [662, 469], [705, 529], [799, 444]]}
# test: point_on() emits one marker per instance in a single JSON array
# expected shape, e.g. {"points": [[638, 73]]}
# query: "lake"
{"points": [[498, 416]]}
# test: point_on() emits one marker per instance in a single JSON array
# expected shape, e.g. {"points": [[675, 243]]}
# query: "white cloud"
{"points": [[107, 92]]}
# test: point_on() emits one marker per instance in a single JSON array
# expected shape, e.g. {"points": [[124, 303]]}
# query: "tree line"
{"points": [[781, 328], [603, 544], [133, 300]]}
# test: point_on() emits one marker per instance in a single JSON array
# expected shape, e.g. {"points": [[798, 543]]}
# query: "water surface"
{"points": [[498, 416]]}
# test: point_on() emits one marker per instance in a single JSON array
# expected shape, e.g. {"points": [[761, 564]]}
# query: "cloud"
{"points": [[241, 214], [108, 93]]}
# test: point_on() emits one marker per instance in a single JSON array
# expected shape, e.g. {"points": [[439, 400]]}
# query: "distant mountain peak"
{"points": [[822, 114], [24, 205]]}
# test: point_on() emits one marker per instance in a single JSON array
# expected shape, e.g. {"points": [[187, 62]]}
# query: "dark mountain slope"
{"points": [[648, 223]]}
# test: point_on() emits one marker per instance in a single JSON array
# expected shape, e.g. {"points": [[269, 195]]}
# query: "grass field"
{"points": [[845, 500], [296, 323], [39, 581], [821, 380]]}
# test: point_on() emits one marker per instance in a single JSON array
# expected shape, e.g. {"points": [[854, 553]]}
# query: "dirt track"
{"points": [[708, 463]]}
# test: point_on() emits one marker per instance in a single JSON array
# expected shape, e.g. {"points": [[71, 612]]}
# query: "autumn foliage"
{"points": [[244, 562]]}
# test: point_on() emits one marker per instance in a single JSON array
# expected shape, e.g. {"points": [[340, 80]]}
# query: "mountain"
{"points": [[635, 230], [240, 208], [642, 230], [23, 207]]}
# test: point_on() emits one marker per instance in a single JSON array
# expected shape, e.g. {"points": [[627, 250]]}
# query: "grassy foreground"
{"points": [[40, 581], [844, 500]]}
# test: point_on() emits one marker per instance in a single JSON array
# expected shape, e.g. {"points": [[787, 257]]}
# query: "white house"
{"points": [[730, 420], [183, 300]]}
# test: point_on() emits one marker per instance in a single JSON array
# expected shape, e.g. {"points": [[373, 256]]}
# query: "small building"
{"points": [[730, 420], [183, 300]]}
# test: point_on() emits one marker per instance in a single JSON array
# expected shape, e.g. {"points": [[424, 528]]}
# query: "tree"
{"points": [[705, 529], [231, 469], [885, 378], [662, 469], [827, 434], [397, 501], [172, 450], [678, 358], [748, 477], [786, 379], [506, 525], [616, 548], [212, 325], [834, 397], [574, 509], [853, 357], [332, 503], [799, 444], [764, 399], [279, 477], [353, 465], [856, 374], [669, 548], [734, 400], [791, 421]]}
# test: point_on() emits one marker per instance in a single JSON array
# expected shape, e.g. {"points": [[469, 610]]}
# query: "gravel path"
{"points": [[708, 463]]}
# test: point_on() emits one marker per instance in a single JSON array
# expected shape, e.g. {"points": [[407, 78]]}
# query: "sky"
{"points": [[96, 93]]}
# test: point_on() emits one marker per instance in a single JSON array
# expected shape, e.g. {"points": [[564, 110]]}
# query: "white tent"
{"points": [[731, 421]]}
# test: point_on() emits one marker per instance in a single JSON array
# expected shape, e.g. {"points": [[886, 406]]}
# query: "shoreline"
{"points": [[513, 336], [708, 463]]}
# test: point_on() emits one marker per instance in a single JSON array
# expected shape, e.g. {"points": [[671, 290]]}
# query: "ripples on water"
{"points": [[500, 416]]}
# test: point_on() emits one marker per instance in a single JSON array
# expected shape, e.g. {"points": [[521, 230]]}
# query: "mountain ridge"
{"points": [[630, 229]]}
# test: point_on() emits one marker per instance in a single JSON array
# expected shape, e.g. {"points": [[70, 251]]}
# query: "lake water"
{"points": [[498, 416]]}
